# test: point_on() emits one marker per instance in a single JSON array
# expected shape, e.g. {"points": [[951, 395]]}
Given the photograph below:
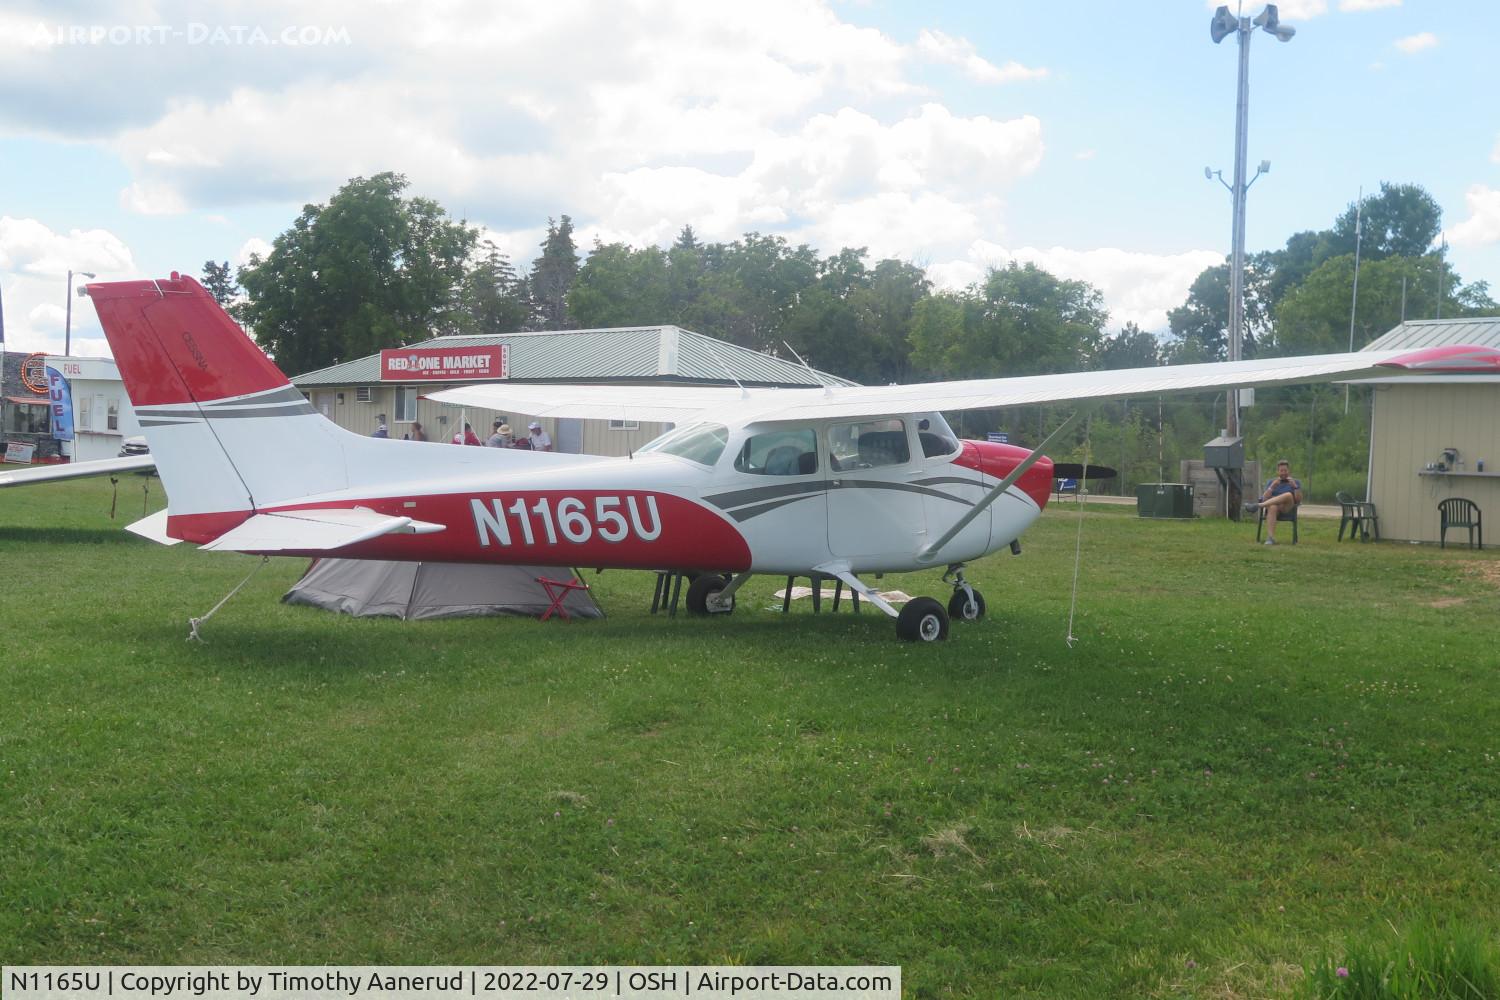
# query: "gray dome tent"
{"points": [[366, 588]]}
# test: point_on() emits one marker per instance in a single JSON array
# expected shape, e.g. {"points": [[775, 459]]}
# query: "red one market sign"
{"points": [[442, 364]]}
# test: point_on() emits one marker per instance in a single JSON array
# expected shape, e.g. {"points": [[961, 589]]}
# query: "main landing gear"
{"points": [[922, 619], [712, 594]]}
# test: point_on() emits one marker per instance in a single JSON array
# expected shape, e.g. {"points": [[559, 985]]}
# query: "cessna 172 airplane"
{"points": [[842, 481]]}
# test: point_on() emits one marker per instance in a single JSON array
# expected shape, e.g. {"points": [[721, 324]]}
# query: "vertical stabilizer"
{"points": [[228, 431]]}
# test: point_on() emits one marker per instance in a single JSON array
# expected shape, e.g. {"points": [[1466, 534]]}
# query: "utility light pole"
{"points": [[1220, 27], [68, 313]]}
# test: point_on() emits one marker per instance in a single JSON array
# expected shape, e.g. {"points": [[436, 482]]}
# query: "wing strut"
{"points": [[929, 554]]}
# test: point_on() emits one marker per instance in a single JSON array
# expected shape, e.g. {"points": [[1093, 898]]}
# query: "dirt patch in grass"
{"points": [[1486, 570], [1447, 602], [950, 841]]}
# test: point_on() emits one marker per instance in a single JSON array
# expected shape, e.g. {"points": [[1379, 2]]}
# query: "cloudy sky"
{"points": [[141, 137]]}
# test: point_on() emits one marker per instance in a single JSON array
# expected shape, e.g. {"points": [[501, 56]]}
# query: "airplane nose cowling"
{"points": [[1000, 460]]}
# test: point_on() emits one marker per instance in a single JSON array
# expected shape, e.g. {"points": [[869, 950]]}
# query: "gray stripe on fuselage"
{"points": [[737, 498], [746, 513], [286, 394], [276, 410]]}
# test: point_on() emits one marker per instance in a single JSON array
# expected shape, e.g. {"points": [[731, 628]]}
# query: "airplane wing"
{"points": [[314, 530], [685, 403], [672, 403], [76, 470]]}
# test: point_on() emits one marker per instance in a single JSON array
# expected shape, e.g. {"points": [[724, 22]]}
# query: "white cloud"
{"points": [[1483, 224], [1417, 42], [34, 263], [1137, 287], [1495, 153], [152, 199], [1356, 6], [253, 246], [960, 52]]}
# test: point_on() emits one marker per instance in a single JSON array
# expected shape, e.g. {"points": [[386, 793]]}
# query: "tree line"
{"points": [[376, 267]]}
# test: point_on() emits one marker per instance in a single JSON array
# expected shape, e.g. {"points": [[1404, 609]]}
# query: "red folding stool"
{"points": [[557, 591]]}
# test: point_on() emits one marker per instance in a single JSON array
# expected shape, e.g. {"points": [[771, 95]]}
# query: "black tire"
{"points": [[922, 620], [960, 610], [704, 588]]}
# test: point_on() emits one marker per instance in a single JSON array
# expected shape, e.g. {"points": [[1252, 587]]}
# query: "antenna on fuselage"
{"points": [[827, 389]]}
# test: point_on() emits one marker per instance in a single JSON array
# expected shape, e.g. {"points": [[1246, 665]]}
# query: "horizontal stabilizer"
{"points": [[153, 527], [315, 530], [76, 470]]}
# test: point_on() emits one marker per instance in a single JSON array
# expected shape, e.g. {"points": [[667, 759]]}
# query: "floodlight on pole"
{"points": [[68, 313], [1220, 27]]}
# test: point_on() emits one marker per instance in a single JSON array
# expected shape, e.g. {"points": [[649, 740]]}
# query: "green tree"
{"points": [[1021, 321], [1200, 326], [1402, 220], [219, 280], [492, 298], [621, 286], [1132, 347], [749, 288], [368, 270], [552, 276], [1314, 318]]}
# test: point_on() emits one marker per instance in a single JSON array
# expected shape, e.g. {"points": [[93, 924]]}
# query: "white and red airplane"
{"points": [[840, 481]]}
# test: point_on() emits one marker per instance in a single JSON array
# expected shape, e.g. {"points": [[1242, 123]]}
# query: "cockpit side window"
{"points": [[788, 452]]}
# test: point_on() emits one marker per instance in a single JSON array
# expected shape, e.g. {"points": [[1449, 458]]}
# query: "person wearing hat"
{"points": [[501, 436], [538, 437]]}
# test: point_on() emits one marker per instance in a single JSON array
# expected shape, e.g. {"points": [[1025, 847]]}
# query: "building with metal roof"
{"points": [[1433, 437], [393, 383]]}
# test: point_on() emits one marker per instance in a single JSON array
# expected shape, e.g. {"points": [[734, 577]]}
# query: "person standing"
{"points": [[501, 436], [381, 430], [417, 433], [538, 437]]}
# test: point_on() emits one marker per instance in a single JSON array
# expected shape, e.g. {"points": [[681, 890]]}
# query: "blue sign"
{"points": [[998, 437], [59, 405]]}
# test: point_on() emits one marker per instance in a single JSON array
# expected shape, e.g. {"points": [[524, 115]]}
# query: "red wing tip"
{"points": [[1454, 358]]}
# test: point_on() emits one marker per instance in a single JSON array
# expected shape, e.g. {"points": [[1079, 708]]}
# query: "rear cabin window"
{"points": [[868, 444], [779, 453]]}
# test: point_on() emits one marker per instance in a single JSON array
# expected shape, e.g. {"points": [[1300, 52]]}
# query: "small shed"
{"points": [[1434, 436]]}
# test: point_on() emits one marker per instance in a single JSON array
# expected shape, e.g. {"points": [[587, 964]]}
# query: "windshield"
{"points": [[701, 443]]}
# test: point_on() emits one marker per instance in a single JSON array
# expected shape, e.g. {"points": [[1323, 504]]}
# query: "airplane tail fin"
{"points": [[227, 429]]}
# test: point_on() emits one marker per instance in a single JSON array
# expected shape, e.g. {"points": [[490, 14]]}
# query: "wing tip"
{"points": [[1453, 358]]}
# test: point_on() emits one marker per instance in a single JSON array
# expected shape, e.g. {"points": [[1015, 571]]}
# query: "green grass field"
{"points": [[1250, 758]]}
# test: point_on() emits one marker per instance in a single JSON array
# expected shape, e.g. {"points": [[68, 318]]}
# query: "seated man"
{"points": [[1282, 495]]}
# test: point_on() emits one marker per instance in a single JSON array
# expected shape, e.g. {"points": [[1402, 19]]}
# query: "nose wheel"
{"points": [[967, 603]]}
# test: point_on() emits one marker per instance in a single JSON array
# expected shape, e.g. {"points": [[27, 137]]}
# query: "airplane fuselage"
{"points": [[725, 511]]}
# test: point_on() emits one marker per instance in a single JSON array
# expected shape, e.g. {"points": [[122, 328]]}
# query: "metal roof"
{"points": [[1480, 331], [620, 354]]}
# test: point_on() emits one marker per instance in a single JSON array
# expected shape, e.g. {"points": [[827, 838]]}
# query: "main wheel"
{"points": [[922, 620], [703, 595], [960, 608]]}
